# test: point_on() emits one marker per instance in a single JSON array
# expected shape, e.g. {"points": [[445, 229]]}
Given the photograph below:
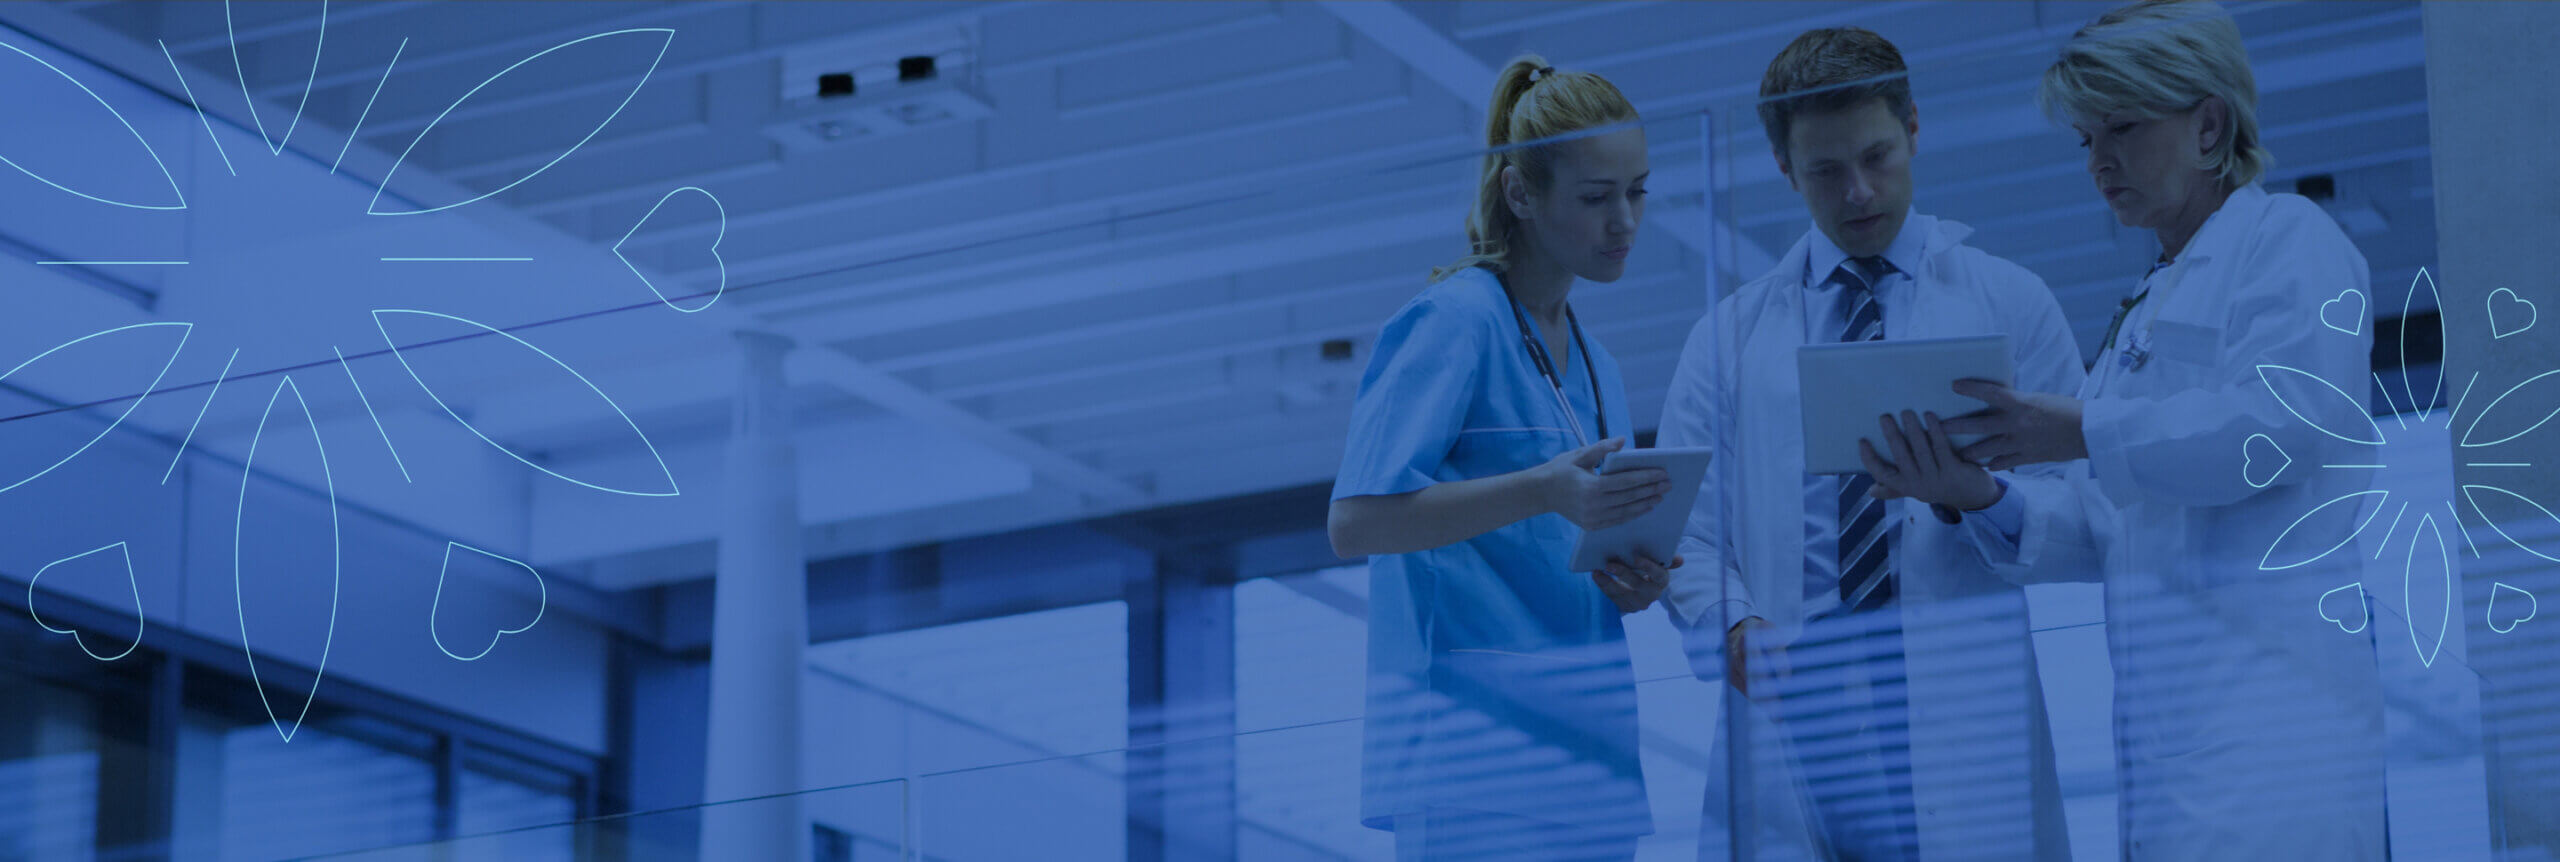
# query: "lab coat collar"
{"points": [[1815, 255], [2227, 227]]}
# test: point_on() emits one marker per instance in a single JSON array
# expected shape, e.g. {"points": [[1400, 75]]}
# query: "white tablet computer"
{"points": [[1846, 386], [1656, 533]]}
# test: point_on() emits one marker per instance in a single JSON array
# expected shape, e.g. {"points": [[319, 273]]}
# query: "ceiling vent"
{"points": [[878, 85]]}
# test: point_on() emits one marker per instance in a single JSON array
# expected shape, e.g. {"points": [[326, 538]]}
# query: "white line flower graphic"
{"points": [[99, 159], [2427, 557]]}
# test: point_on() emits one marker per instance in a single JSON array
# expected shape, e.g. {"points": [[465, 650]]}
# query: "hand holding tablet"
{"points": [[1846, 386], [1654, 535]]}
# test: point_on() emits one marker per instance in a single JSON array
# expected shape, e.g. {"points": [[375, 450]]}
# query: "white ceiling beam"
{"points": [[1060, 277], [1131, 326], [1551, 15], [1022, 222], [1272, 342], [970, 292], [512, 44], [817, 362]]}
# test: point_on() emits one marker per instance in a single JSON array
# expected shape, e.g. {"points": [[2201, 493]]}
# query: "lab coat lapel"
{"points": [[1772, 433]]}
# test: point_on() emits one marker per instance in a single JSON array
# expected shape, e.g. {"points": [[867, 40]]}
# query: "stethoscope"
{"points": [[1547, 368]]}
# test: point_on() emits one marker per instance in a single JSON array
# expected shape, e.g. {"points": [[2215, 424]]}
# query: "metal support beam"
{"points": [[1181, 768]]}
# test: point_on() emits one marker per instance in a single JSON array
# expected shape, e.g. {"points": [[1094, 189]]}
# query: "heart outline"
{"points": [[139, 621], [2249, 459], [2492, 613], [721, 263], [445, 571], [2362, 311], [2533, 313], [2323, 607]]}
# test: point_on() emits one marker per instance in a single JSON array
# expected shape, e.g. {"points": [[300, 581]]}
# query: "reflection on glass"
{"points": [[48, 771], [322, 793]]}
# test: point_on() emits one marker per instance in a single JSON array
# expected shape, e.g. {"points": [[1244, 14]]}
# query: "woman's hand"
{"points": [[2022, 427], [1925, 466], [1634, 586], [1593, 501]]}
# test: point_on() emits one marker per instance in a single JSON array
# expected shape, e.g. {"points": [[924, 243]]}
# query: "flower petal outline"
{"points": [[174, 189], [2267, 563], [2442, 572], [2482, 417], [2502, 531], [668, 39], [275, 146], [396, 353], [2355, 409], [336, 558], [185, 330], [2408, 309]]}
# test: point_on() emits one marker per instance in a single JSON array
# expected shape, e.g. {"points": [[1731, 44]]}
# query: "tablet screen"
{"points": [[1846, 386]]}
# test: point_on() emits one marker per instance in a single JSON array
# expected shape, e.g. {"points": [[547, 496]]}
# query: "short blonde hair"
{"points": [[1531, 102], [2158, 57]]}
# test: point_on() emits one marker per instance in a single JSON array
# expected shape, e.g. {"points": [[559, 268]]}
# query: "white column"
{"points": [[2493, 104], [760, 626]]}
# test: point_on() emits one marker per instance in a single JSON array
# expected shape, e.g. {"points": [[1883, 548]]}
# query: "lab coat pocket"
{"points": [[2194, 345]]}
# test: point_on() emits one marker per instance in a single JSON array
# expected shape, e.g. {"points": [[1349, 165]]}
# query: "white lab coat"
{"points": [[1982, 760], [2248, 727]]}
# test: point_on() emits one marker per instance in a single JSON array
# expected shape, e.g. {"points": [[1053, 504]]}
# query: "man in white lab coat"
{"points": [[1892, 706]]}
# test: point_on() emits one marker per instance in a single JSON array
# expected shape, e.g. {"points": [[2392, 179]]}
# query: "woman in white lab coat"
{"points": [[1501, 708], [2248, 727]]}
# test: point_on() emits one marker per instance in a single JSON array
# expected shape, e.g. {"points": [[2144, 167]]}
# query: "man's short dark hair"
{"points": [[1831, 69]]}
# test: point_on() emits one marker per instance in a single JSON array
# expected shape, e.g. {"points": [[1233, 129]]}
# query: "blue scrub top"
{"points": [[1498, 679]]}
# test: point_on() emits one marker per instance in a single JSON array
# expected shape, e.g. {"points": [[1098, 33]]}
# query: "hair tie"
{"points": [[1541, 73]]}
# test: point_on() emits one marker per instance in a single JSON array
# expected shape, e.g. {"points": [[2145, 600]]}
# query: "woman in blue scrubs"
{"points": [[1501, 705]]}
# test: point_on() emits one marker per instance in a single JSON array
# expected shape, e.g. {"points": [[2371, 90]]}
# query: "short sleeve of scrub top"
{"points": [[1413, 400]]}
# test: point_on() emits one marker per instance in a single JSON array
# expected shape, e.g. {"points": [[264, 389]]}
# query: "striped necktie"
{"points": [[1866, 575]]}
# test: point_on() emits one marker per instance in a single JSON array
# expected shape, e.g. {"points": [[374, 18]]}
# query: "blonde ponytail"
{"points": [[1532, 101]]}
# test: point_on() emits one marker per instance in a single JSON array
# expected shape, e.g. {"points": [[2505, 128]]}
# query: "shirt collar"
{"points": [[1904, 253]]}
